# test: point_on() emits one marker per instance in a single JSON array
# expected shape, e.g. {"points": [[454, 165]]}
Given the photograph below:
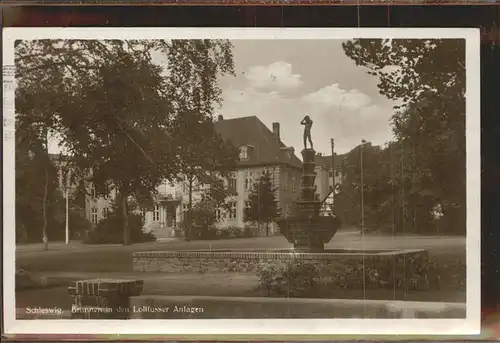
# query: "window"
{"points": [[219, 214], [198, 187], [330, 173], [142, 213], [93, 192], [156, 214], [232, 210], [248, 208], [248, 180], [293, 184], [243, 153], [105, 212], [232, 182], [337, 173], [93, 215]]}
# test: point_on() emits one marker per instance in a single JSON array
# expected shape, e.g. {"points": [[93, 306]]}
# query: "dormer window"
{"points": [[245, 152]]}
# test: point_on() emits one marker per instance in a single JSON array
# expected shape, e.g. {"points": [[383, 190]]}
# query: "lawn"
{"points": [[67, 263], [79, 257], [223, 285]]}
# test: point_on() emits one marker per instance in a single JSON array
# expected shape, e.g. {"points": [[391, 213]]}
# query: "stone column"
{"points": [[103, 298]]}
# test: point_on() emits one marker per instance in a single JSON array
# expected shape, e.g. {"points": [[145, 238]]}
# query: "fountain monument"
{"points": [[306, 229]]}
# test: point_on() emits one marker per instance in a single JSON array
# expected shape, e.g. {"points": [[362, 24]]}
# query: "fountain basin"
{"points": [[252, 261], [306, 230]]}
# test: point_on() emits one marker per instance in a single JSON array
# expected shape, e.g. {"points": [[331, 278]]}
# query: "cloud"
{"points": [[346, 116], [276, 76], [334, 96]]}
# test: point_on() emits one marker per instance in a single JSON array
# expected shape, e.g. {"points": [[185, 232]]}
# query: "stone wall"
{"points": [[253, 261]]}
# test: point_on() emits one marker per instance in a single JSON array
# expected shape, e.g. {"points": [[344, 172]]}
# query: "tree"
{"points": [[427, 79], [207, 158], [37, 198], [202, 215], [263, 204], [115, 110], [34, 126], [392, 201]]}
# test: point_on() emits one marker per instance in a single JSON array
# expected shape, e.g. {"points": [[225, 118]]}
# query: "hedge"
{"points": [[110, 230], [304, 278]]}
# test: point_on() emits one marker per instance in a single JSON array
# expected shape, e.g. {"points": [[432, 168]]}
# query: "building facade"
{"points": [[260, 151]]}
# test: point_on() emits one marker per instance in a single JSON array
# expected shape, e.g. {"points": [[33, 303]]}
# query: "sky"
{"points": [[283, 80]]}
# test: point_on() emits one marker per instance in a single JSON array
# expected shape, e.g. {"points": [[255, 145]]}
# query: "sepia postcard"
{"points": [[241, 181]]}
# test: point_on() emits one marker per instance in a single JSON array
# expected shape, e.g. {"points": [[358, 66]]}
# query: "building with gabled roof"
{"points": [[260, 151], [258, 144]]}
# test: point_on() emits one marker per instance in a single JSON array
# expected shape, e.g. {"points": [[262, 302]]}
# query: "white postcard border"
{"points": [[469, 325]]}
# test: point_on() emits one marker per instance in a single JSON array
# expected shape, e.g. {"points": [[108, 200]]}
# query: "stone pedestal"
{"points": [[306, 229], [103, 298]]}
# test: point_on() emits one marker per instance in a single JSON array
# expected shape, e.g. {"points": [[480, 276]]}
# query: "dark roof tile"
{"points": [[267, 149]]}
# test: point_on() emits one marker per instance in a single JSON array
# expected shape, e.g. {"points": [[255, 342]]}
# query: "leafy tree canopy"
{"points": [[114, 110], [426, 78]]}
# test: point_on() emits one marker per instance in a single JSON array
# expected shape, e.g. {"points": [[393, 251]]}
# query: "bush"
{"points": [[234, 232], [202, 220], [249, 231], [56, 228], [302, 278], [110, 230], [78, 226], [297, 278]]}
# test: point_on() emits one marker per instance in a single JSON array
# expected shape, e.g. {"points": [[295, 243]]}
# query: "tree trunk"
{"points": [[44, 211], [267, 229], [190, 207], [126, 228]]}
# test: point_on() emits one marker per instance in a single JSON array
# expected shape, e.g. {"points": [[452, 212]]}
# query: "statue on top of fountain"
{"points": [[307, 122]]}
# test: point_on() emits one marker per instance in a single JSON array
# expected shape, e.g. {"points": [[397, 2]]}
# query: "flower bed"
{"points": [[305, 278]]}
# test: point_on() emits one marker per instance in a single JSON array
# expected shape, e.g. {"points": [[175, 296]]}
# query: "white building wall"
{"points": [[177, 189]]}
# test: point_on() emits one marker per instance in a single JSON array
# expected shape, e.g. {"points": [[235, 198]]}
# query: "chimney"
{"points": [[276, 130], [220, 117]]}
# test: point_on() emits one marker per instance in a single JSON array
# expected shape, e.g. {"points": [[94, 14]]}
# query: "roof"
{"points": [[250, 131], [340, 159]]}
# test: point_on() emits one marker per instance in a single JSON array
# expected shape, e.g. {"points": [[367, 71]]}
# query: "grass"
{"points": [[117, 258], [97, 261], [224, 285], [77, 261]]}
